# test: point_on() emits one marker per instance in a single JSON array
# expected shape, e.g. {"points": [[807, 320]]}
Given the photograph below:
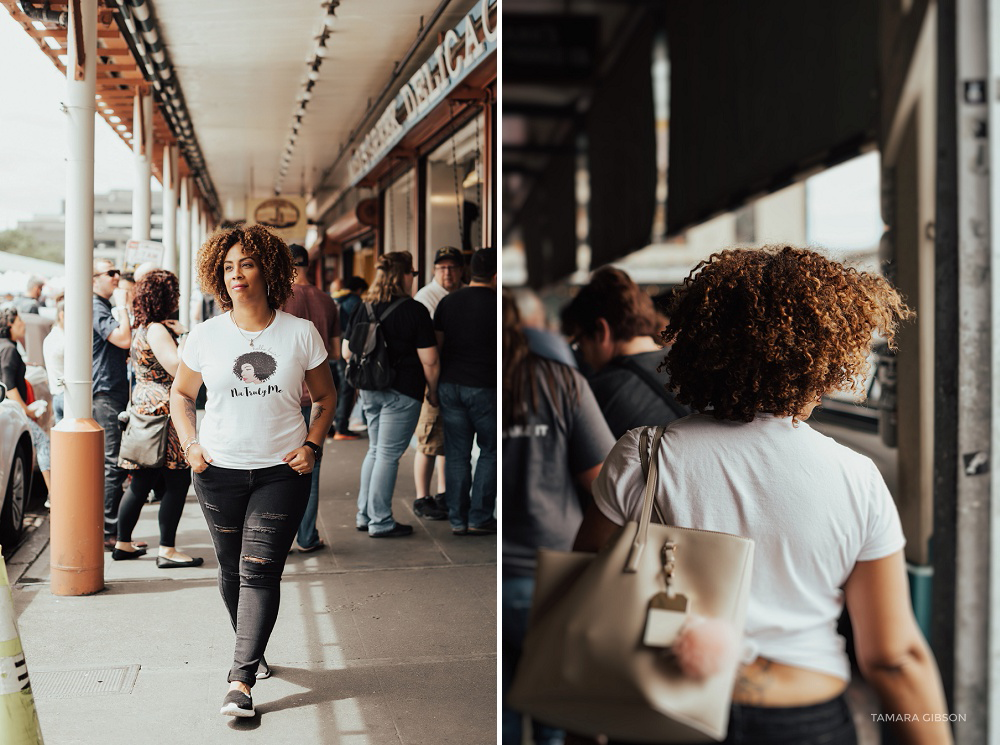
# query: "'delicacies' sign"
{"points": [[460, 51]]}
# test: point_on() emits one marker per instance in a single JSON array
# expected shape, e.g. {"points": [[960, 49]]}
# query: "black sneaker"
{"points": [[426, 507], [237, 704], [441, 503], [398, 531]]}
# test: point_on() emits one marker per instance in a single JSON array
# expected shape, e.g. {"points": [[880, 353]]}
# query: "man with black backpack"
{"points": [[612, 323]]}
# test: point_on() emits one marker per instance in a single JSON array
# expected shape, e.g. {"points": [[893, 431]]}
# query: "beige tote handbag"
{"points": [[597, 656]]}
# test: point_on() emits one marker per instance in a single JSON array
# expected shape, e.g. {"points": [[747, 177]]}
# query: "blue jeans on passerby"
{"points": [[469, 412], [58, 407], [106, 410], [516, 605], [392, 417], [308, 536]]}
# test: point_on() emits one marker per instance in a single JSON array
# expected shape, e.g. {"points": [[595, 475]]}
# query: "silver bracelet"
{"points": [[187, 447]]}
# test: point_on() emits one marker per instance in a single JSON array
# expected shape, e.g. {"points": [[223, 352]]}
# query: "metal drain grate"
{"points": [[100, 681]]}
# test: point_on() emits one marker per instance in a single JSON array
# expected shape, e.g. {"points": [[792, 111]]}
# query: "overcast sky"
{"points": [[33, 133]]}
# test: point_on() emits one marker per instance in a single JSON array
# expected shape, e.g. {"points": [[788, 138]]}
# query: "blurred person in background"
{"points": [[534, 324], [54, 353], [30, 301], [612, 322], [348, 301], [12, 371], [311, 303], [465, 324], [155, 357], [554, 441], [448, 266], [111, 339]]}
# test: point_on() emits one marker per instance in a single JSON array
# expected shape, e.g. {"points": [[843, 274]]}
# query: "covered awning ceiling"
{"points": [[243, 67], [759, 94]]}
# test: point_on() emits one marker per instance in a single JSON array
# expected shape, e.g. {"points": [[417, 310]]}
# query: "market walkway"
{"points": [[387, 641]]}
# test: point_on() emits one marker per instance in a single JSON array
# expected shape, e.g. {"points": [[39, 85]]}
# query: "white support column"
{"points": [[993, 609], [142, 148], [80, 111], [77, 492], [170, 208], [184, 252], [976, 338], [192, 306]]}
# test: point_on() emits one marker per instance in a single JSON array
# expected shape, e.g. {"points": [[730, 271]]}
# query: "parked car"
{"points": [[17, 464]]}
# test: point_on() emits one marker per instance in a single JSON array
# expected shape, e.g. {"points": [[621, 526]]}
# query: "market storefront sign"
{"points": [[459, 52]]}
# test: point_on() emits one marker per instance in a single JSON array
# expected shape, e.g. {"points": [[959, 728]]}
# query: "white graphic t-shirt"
{"points": [[253, 418]]}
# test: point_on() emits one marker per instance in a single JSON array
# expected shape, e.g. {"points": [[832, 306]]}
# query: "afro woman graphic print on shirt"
{"points": [[254, 367]]}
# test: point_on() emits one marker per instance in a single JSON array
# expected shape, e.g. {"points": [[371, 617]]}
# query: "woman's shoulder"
{"points": [[293, 323]]}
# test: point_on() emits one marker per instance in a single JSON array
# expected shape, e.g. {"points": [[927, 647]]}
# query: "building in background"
{"points": [[112, 225]]}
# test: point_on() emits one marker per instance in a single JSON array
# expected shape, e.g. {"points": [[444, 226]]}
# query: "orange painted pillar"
{"points": [[77, 513]]}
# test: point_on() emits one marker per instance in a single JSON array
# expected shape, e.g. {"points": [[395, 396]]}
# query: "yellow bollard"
{"points": [[18, 718]]}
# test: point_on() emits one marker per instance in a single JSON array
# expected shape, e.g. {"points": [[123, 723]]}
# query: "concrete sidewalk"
{"points": [[377, 641]]}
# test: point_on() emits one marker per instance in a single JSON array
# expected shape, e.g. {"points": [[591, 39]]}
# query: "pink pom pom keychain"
{"points": [[705, 646]]}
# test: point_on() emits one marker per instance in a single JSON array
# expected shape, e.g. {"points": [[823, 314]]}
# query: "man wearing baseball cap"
{"points": [[448, 267]]}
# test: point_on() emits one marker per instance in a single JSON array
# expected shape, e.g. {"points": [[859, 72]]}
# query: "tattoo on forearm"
{"points": [[317, 412], [191, 411], [752, 683]]}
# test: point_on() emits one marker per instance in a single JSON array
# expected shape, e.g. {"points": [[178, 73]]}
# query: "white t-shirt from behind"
{"points": [[813, 507], [253, 418]]}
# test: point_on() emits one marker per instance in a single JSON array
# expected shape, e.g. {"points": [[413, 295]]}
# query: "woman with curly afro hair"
{"points": [[254, 446], [758, 337]]}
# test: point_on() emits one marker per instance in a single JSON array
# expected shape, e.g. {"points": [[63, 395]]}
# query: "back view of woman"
{"points": [[759, 336], [392, 412]]}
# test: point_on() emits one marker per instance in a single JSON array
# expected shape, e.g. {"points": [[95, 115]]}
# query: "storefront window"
{"points": [[455, 193], [400, 215]]}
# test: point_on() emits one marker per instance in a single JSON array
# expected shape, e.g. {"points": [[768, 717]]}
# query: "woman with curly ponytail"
{"points": [[758, 337]]}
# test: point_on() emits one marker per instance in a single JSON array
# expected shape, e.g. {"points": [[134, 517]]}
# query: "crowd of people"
{"points": [[750, 344], [274, 362]]}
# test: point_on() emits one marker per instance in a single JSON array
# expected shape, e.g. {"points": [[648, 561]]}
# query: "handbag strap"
{"points": [[644, 456], [639, 542]]}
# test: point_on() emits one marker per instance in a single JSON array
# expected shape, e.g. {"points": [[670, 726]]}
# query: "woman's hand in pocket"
{"points": [[198, 458], [301, 460]]}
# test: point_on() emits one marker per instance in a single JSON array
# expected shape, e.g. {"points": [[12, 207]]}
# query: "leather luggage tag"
{"points": [[664, 619]]}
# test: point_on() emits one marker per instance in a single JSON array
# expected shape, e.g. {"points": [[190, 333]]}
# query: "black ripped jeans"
{"points": [[253, 517]]}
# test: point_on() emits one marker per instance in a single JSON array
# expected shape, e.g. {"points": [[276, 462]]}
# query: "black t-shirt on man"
{"points": [[468, 320]]}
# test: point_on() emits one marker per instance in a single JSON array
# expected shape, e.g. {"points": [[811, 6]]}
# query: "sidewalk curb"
{"points": [[35, 542]]}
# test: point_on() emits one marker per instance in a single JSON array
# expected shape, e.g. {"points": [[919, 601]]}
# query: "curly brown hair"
{"points": [[156, 298], [268, 250], [771, 330]]}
